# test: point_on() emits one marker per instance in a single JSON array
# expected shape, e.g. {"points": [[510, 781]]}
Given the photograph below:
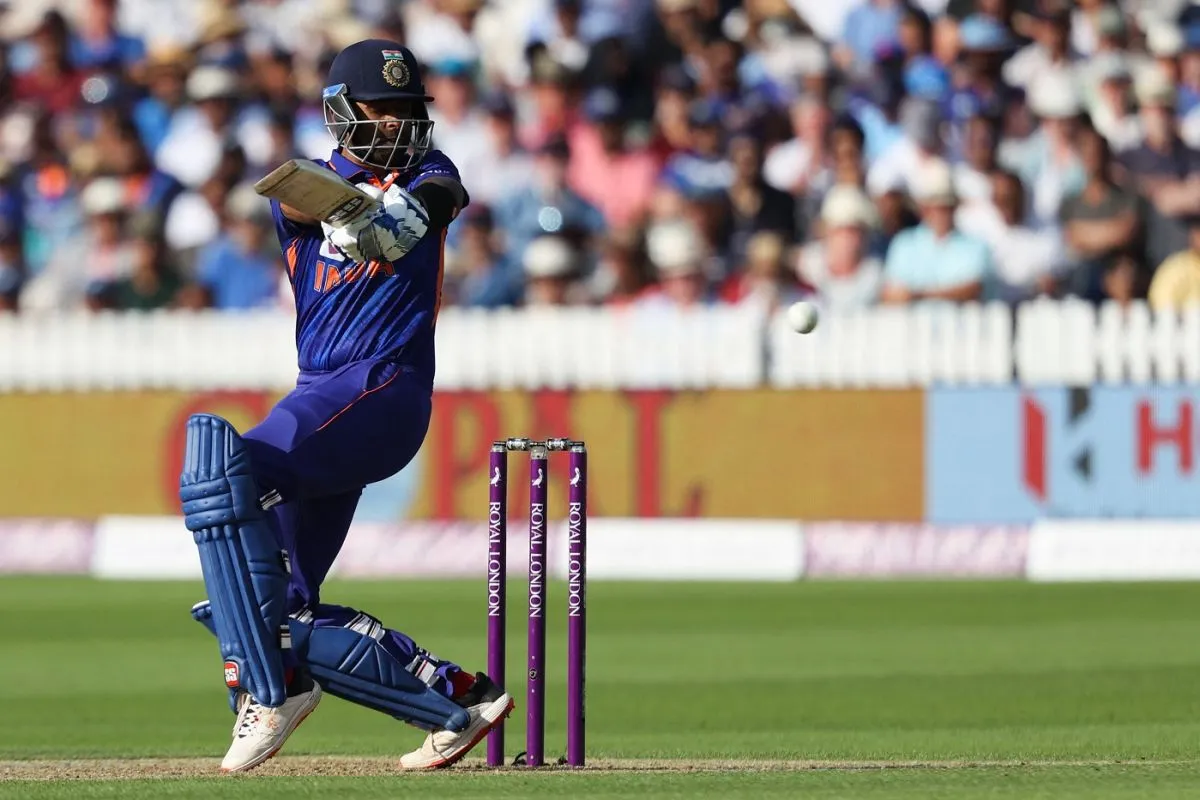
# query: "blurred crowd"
{"points": [[623, 151]]}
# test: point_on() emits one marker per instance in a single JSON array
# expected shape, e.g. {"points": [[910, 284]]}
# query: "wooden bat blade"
{"points": [[316, 191]]}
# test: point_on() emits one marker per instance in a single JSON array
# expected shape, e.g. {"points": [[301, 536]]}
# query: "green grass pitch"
{"points": [[814, 690]]}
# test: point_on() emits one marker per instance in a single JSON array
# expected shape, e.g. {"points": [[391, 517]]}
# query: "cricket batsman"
{"points": [[269, 509]]}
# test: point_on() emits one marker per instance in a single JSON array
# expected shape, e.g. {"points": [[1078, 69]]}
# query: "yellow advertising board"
{"points": [[848, 455]]}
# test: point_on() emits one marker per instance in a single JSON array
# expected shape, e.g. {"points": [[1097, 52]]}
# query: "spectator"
{"points": [[12, 268], [1097, 27], [1164, 42], [609, 171], [442, 30], [923, 144], [547, 205], [242, 269], [559, 32], [678, 33], [1124, 280], [1189, 86], [935, 261], [96, 257], [613, 63], [763, 280], [1176, 284], [985, 43], [120, 153], [792, 165], [1100, 222], [551, 265], [46, 197], [973, 175], [839, 265], [98, 44], [1050, 53], [895, 215], [1025, 257], [1047, 162], [675, 250], [1112, 110], [164, 73], [622, 273], [846, 147], [754, 205], [195, 218], [192, 148], [1164, 169], [477, 274], [154, 283], [552, 86], [872, 24], [508, 165], [52, 83], [703, 168], [460, 128], [675, 93]]}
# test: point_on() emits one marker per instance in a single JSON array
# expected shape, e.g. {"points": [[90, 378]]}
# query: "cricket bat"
{"points": [[316, 191]]}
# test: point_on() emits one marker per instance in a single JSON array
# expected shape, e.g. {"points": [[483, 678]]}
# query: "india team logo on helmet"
{"points": [[395, 70]]}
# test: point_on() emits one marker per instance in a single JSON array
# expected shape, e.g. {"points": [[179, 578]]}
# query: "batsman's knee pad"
{"points": [[244, 568], [351, 663]]}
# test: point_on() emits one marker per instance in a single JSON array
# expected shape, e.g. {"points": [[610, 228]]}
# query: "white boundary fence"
{"points": [[1041, 343]]}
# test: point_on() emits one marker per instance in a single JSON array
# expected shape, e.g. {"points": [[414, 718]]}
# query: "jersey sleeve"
{"points": [[438, 165], [285, 228]]}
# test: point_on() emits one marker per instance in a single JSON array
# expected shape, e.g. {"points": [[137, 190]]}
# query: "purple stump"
{"points": [[576, 602], [535, 730], [497, 576]]}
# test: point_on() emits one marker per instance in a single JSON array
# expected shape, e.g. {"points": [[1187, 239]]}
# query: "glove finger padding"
{"points": [[388, 234]]}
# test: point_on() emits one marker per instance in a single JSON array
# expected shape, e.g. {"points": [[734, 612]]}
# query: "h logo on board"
{"points": [[537, 482]]}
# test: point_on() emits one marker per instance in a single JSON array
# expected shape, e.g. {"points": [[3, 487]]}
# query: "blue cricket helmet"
{"points": [[372, 71]]}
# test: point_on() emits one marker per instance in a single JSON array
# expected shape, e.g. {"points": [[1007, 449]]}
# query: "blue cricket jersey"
{"points": [[348, 311]]}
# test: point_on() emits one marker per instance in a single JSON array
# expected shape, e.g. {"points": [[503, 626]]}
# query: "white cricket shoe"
{"points": [[260, 731], [488, 705]]}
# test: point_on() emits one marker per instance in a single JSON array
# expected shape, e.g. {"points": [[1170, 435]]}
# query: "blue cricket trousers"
{"points": [[319, 447]]}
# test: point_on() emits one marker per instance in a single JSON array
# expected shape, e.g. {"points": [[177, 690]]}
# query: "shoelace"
{"points": [[250, 714]]}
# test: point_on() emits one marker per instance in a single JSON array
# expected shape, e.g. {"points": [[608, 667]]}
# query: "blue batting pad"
{"points": [[351, 663], [244, 568]]}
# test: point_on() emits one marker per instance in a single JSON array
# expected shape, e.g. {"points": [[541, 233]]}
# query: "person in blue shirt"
{"points": [[869, 25], [241, 269], [935, 261], [282, 495], [98, 44], [547, 205]]}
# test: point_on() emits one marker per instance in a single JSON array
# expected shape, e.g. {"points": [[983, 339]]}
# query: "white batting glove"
{"points": [[386, 235]]}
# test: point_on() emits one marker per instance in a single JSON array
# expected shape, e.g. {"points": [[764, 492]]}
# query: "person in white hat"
{"points": [[192, 147], [99, 255], [934, 260], [677, 252], [1112, 107], [1047, 162], [550, 264], [839, 265]]}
